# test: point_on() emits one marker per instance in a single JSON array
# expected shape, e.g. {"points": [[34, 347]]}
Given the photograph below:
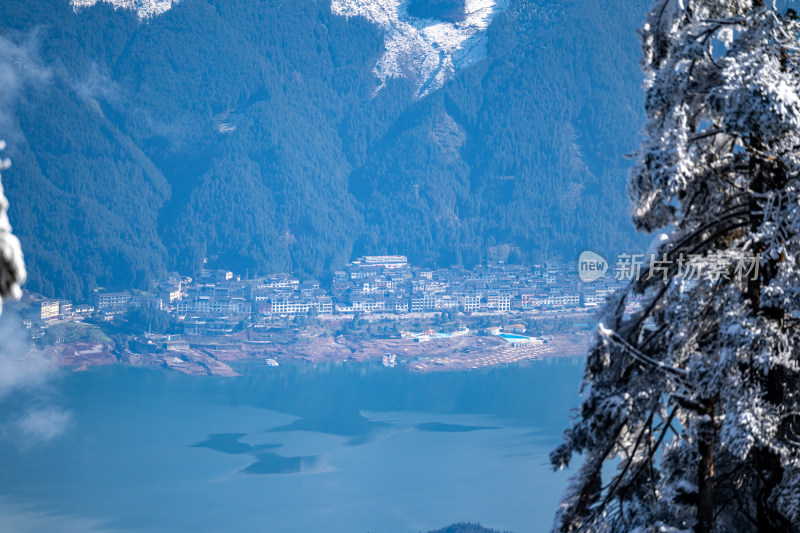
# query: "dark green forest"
{"points": [[250, 134]]}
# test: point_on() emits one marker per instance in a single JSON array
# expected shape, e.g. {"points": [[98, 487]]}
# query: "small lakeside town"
{"points": [[218, 316], [217, 300]]}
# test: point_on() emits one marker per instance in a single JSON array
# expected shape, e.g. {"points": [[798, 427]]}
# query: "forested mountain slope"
{"points": [[254, 134]]}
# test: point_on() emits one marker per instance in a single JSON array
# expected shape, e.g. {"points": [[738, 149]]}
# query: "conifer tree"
{"points": [[691, 415]]}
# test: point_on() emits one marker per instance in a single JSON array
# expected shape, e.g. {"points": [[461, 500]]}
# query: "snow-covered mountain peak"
{"points": [[145, 9], [426, 51]]}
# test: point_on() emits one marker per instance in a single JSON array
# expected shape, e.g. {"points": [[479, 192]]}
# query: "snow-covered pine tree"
{"points": [[12, 267], [691, 415]]}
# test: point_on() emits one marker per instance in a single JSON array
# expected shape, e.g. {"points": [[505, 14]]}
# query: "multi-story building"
{"points": [[170, 293], [323, 305], [396, 305], [445, 301], [48, 309], [344, 308], [113, 300], [208, 306], [368, 305], [84, 309], [280, 281], [293, 305], [386, 261], [526, 299], [470, 303], [554, 298], [212, 327], [368, 286], [592, 297], [429, 301], [567, 299], [64, 308], [288, 306], [496, 301], [416, 304]]}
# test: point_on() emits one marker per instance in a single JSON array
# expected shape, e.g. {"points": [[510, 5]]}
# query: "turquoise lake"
{"points": [[328, 448]]}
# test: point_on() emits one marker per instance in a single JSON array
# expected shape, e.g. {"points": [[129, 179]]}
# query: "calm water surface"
{"points": [[341, 447]]}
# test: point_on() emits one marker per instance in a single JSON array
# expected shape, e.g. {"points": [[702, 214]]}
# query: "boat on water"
{"points": [[389, 360], [271, 362]]}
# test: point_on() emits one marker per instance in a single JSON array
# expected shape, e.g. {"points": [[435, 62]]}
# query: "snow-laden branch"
{"points": [[718, 172], [611, 336], [12, 266]]}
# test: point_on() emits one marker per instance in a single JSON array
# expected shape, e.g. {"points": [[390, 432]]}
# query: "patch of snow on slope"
{"points": [[145, 9], [428, 52]]}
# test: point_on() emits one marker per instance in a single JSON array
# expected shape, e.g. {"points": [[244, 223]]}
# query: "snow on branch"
{"points": [[12, 266], [611, 336]]}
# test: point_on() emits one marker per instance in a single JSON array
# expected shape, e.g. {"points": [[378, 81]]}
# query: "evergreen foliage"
{"points": [[148, 319], [694, 398], [250, 134]]}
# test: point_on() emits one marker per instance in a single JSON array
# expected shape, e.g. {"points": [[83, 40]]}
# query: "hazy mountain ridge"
{"points": [[125, 146], [426, 50]]}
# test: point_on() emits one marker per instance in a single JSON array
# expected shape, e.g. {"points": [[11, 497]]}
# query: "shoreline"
{"points": [[203, 356]]}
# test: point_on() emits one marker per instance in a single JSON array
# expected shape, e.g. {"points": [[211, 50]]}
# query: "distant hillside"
{"points": [[465, 527], [253, 134]]}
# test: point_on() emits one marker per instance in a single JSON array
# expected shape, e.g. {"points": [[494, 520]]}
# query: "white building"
{"points": [[386, 261], [49, 309]]}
